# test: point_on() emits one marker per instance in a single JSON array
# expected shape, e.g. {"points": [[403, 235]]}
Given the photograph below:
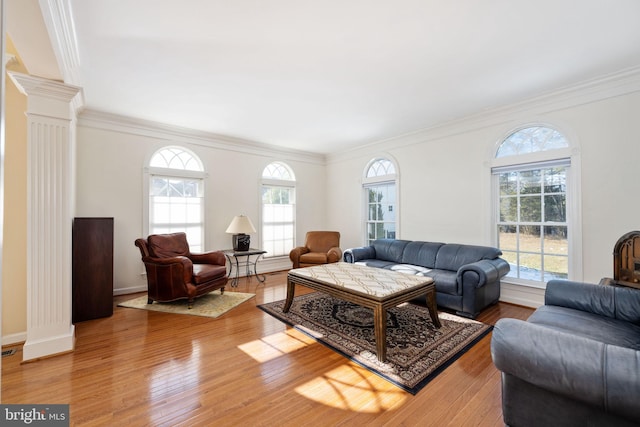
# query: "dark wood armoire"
{"points": [[92, 271]]}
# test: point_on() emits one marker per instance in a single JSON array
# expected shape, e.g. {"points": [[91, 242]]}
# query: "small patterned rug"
{"points": [[210, 305], [416, 350]]}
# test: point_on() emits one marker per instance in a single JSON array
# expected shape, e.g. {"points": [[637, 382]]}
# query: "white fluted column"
{"points": [[51, 117]]}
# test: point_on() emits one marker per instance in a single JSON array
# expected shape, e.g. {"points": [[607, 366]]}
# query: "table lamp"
{"points": [[241, 227]]}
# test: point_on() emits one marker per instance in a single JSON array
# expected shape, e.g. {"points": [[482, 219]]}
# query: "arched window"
{"points": [[176, 194], [278, 209], [534, 211], [381, 200]]}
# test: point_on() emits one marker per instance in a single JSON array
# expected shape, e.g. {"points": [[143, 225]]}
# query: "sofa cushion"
{"points": [[421, 253], [588, 325], [409, 269], [446, 281], [203, 273], [453, 256], [376, 263], [314, 258], [389, 249]]}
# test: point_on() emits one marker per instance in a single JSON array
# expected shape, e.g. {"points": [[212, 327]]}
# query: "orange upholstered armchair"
{"points": [[174, 273], [320, 247]]}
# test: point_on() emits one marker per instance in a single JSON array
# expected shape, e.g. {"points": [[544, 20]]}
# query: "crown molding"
{"points": [[170, 133], [58, 18], [33, 86], [623, 82]]}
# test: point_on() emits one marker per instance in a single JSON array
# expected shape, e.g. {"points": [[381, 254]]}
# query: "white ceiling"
{"points": [[327, 75]]}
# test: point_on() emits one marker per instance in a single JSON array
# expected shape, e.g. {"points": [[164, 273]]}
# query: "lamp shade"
{"points": [[241, 225]]}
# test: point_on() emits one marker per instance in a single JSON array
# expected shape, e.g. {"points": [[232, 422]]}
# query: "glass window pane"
{"points": [[507, 237], [508, 209], [531, 209], [531, 182], [555, 208], [529, 238], [508, 184], [530, 266], [555, 180], [555, 267], [555, 240], [532, 140]]}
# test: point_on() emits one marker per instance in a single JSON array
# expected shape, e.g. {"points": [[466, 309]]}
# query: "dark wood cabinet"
{"points": [[92, 271]]}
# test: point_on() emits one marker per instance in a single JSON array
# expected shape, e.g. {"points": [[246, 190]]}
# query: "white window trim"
{"points": [[574, 196], [287, 183], [149, 171], [367, 181]]}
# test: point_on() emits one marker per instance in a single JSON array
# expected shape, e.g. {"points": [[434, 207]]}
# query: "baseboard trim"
{"points": [[13, 339], [49, 346]]}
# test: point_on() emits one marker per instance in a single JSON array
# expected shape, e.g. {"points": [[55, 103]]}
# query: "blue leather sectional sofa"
{"points": [[467, 277], [575, 362]]}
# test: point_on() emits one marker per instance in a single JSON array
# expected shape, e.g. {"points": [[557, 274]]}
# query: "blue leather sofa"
{"points": [[575, 361], [467, 278]]}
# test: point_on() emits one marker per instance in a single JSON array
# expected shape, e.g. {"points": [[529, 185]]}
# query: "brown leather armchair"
{"points": [[320, 247], [174, 273]]}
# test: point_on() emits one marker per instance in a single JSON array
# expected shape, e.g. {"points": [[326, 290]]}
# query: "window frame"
{"points": [[540, 160], [278, 182], [377, 180], [201, 175]]}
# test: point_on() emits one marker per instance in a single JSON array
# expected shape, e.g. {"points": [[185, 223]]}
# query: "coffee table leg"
{"points": [[291, 287], [433, 308], [380, 328]]}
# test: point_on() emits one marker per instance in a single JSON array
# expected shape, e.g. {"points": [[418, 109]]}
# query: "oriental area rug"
{"points": [[416, 350], [212, 304]]}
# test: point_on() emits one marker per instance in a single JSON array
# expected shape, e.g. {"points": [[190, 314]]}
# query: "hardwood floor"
{"points": [[245, 368]]}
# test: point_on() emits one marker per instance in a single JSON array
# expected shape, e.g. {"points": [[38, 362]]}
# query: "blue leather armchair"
{"points": [[575, 361]]}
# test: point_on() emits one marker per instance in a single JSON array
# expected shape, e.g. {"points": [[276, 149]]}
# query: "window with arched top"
{"points": [[176, 194], [381, 200], [535, 204], [278, 194], [532, 140]]}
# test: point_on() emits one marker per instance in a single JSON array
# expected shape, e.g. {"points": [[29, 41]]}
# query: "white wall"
{"points": [[445, 187], [110, 161], [443, 173]]}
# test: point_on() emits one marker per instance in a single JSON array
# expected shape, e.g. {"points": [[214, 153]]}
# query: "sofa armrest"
{"points": [[486, 271], [213, 258], [357, 254], [605, 376], [611, 301], [334, 254]]}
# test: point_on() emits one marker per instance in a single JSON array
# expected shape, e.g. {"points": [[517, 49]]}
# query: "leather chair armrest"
{"points": [[611, 301], [295, 253], [213, 258], [334, 254], [356, 254], [183, 263], [605, 376]]}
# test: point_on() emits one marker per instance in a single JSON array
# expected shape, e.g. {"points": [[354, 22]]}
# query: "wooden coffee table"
{"points": [[371, 287]]}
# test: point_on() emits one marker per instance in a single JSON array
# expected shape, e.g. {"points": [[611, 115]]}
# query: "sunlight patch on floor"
{"points": [[273, 346], [351, 387]]}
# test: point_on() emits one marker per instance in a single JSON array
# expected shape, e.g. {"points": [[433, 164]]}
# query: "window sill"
{"points": [[525, 283]]}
